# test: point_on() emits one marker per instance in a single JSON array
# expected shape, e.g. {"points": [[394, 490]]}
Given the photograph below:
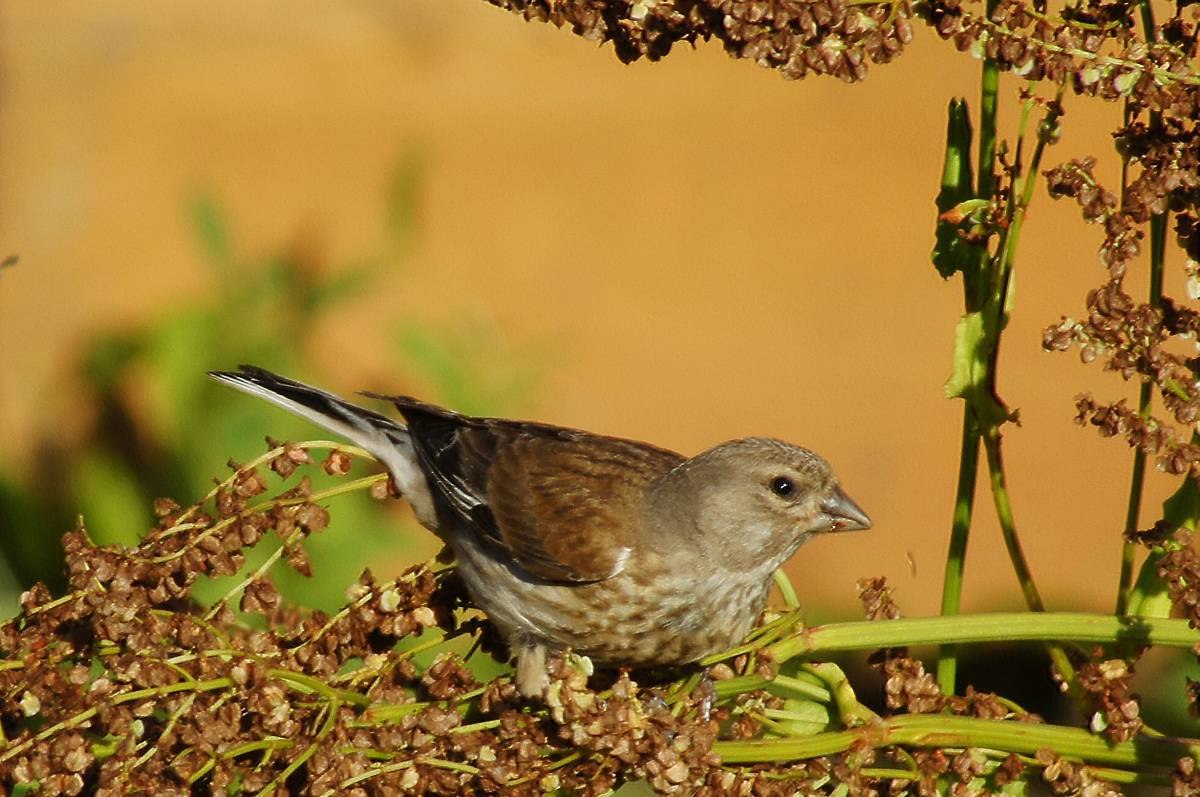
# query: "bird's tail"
{"points": [[386, 439], [357, 424]]}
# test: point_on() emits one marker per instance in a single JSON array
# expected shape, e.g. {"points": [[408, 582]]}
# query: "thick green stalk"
{"points": [[1133, 512], [992, 627], [941, 731], [988, 94], [960, 531], [1088, 629], [968, 462], [998, 280], [1148, 21]]}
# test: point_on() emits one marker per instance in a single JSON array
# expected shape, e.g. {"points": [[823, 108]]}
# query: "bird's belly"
{"points": [[643, 617]]}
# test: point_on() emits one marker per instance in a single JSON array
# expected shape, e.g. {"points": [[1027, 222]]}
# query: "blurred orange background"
{"points": [[689, 251]]}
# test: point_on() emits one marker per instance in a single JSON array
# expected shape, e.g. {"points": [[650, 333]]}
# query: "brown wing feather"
{"points": [[566, 508], [561, 502]]}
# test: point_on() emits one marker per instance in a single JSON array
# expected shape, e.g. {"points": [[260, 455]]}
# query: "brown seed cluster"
{"points": [[125, 686], [1185, 781], [1133, 338], [1179, 567], [1093, 48], [907, 686], [796, 37], [877, 601], [1149, 342], [1101, 49], [1107, 685], [1065, 777], [1147, 433], [1122, 238]]}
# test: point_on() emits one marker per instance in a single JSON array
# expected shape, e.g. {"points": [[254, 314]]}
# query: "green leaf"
{"points": [[28, 787], [178, 351], [468, 365], [974, 341], [403, 199], [1149, 596], [106, 746], [1183, 508], [339, 287], [950, 253], [212, 231], [803, 718], [27, 544], [106, 360], [1017, 788], [106, 492]]}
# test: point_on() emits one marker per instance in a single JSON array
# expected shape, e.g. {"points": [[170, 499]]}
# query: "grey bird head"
{"points": [[753, 502]]}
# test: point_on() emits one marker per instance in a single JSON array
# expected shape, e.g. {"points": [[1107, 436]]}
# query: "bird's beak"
{"points": [[843, 513]]}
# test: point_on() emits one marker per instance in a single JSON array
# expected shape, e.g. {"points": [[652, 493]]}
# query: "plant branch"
{"points": [[941, 731], [1158, 239], [960, 532], [991, 627]]}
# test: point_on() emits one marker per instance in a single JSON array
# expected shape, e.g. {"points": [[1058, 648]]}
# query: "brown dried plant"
{"points": [[125, 685]]}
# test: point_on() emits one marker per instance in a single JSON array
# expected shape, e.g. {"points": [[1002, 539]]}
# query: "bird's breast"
{"points": [[655, 612]]}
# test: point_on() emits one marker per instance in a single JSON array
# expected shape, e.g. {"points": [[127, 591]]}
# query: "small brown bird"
{"points": [[617, 550]]}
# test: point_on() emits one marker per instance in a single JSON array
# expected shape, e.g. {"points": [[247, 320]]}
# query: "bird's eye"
{"points": [[782, 486]]}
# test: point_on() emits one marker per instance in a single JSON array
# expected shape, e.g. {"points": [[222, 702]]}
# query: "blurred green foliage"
{"points": [[161, 428]]}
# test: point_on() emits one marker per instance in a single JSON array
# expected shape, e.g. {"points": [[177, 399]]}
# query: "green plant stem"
{"points": [[989, 90], [1148, 25], [1133, 512], [1102, 629], [1008, 527], [968, 462], [786, 590], [316, 686], [1019, 201], [941, 731], [1158, 237], [997, 627], [1016, 553], [1158, 240], [960, 532]]}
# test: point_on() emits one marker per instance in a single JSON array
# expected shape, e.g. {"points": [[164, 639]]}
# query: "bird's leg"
{"points": [[532, 680], [708, 696]]}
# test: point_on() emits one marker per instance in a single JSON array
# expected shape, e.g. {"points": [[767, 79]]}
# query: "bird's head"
{"points": [[753, 502]]}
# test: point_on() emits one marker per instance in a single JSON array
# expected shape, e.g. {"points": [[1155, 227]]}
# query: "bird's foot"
{"points": [[532, 679]]}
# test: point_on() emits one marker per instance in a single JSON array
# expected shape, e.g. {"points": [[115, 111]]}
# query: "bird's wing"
{"points": [[563, 504]]}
